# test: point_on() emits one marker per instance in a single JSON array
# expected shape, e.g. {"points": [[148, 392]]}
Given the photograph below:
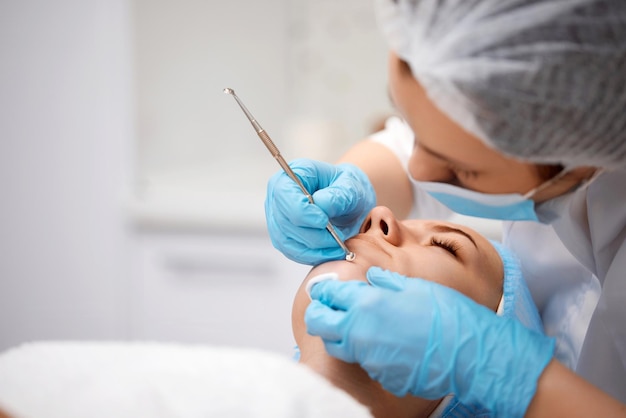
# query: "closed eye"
{"points": [[449, 245]]}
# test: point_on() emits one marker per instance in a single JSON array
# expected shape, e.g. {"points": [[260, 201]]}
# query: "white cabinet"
{"points": [[214, 288]]}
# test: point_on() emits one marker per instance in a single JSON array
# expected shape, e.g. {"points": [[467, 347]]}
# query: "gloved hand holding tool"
{"points": [[343, 195]]}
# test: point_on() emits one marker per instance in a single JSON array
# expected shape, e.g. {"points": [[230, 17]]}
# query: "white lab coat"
{"points": [[575, 268], [593, 228]]}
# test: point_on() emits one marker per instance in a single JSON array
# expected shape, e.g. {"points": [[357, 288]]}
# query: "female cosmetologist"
{"points": [[512, 110]]}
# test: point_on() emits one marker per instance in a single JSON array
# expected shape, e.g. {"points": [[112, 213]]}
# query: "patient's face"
{"points": [[442, 252], [450, 254]]}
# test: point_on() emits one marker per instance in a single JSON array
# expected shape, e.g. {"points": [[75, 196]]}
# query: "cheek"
{"points": [[423, 167], [476, 288], [441, 269], [466, 284], [429, 264]]}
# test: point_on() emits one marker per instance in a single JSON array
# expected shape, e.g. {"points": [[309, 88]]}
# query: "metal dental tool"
{"points": [[281, 161]]}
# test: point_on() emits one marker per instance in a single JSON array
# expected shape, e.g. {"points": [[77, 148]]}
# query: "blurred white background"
{"points": [[132, 187], [311, 71]]}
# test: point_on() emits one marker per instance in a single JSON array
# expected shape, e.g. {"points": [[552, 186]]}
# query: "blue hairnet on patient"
{"points": [[517, 301]]}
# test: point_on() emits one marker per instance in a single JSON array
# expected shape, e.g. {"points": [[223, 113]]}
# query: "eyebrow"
{"points": [[445, 229]]}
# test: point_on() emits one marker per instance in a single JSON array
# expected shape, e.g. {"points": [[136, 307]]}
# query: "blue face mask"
{"points": [[511, 207]]}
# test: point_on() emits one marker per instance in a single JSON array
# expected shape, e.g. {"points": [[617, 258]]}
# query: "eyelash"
{"points": [[451, 246]]}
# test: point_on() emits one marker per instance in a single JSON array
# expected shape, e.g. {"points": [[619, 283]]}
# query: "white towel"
{"points": [[80, 379]]}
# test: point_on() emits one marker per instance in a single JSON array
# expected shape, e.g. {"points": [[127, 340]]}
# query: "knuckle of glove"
{"points": [[370, 306], [314, 174]]}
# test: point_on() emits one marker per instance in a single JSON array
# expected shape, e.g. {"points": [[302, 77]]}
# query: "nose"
{"points": [[382, 222]]}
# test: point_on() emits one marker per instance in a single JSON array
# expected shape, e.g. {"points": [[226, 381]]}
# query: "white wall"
{"points": [[111, 105], [313, 73], [187, 52], [66, 133]]}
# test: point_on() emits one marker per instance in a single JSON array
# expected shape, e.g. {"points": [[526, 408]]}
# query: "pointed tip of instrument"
{"points": [[229, 91]]}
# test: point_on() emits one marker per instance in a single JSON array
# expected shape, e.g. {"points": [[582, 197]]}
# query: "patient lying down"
{"points": [[125, 379], [449, 254]]}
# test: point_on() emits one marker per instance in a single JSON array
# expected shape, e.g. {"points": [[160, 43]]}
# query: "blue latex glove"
{"points": [[342, 193], [422, 338]]}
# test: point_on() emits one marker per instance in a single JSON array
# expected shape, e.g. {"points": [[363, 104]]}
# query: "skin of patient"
{"points": [[449, 254]]}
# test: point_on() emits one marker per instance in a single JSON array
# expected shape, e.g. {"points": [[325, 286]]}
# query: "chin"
{"points": [[346, 270]]}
